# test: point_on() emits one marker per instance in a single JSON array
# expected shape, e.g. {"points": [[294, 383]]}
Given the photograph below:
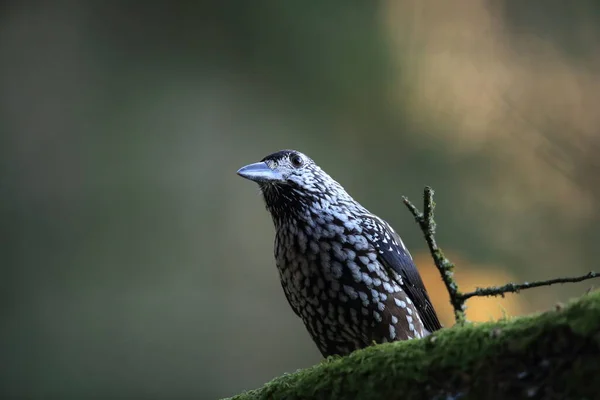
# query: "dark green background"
{"points": [[136, 264]]}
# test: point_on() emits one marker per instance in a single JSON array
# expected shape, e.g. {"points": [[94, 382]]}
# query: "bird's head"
{"points": [[289, 179], [286, 167]]}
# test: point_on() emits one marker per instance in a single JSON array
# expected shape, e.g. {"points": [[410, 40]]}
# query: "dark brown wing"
{"points": [[392, 254]]}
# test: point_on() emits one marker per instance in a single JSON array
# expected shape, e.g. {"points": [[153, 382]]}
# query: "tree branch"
{"points": [[446, 268], [553, 355], [549, 355], [516, 288]]}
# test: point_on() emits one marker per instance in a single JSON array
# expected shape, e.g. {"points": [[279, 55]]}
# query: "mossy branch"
{"points": [[550, 355], [553, 355], [446, 267]]}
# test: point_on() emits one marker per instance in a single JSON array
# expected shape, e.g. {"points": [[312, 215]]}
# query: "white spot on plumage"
{"points": [[314, 246], [298, 278], [400, 303], [351, 225], [388, 287], [339, 230], [336, 269], [377, 316], [302, 240], [357, 275], [381, 306], [325, 260], [375, 295], [304, 267], [367, 279], [360, 242], [350, 254], [337, 251], [349, 290], [364, 297], [392, 332], [394, 319], [340, 216]]}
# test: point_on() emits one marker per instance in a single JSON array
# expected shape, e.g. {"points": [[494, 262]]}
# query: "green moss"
{"points": [[551, 353]]}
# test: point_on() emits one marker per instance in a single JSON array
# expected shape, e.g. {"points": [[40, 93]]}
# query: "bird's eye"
{"points": [[296, 160]]}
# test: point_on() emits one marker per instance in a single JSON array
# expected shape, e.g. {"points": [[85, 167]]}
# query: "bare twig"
{"points": [[516, 288], [446, 267]]}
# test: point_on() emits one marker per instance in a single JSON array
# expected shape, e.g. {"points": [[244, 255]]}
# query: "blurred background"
{"points": [[136, 264]]}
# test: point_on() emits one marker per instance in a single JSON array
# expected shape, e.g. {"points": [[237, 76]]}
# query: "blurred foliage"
{"points": [[136, 264]]}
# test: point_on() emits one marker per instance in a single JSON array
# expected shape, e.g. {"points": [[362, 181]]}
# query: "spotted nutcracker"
{"points": [[344, 271]]}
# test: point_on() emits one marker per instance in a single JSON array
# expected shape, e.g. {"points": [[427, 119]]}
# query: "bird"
{"points": [[344, 271]]}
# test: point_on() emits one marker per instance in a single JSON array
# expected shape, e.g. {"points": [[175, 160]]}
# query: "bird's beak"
{"points": [[260, 172]]}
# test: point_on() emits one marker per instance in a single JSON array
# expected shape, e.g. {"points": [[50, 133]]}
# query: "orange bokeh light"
{"points": [[469, 276]]}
